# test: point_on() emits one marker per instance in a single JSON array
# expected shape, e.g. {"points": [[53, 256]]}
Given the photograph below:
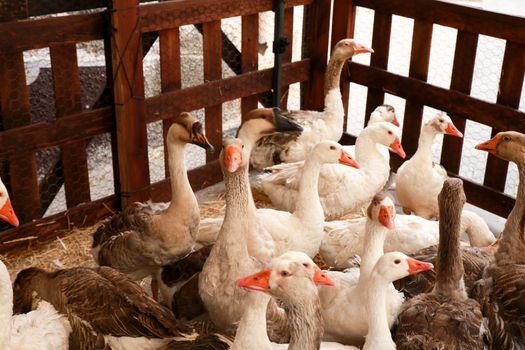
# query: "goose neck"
{"points": [[181, 193], [251, 332], [333, 74], [305, 321], [378, 328], [424, 149], [239, 200], [6, 305], [366, 148], [375, 235], [308, 202]]}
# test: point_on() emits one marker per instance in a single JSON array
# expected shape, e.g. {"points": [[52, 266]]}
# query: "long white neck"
{"points": [[181, 193], [478, 231], [305, 320], [375, 235], [378, 336], [6, 306], [424, 149], [308, 207], [366, 149], [251, 332]]}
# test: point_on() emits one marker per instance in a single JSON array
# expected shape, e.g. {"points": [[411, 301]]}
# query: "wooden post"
{"points": [[249, 56], [287, 55], [132, 142]]}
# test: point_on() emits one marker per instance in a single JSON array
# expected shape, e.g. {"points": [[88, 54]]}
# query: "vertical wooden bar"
{"points": [[287, 55], [462, 74], [249, 56], [419, 60], [381, 46], [132, 141], [170, 75], [66, 82], [509, 93], [212, 50], [317, 27]]}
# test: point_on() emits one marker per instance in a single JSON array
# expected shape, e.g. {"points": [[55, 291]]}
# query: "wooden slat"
{"points": [[170, 74], [249, 56], [462, 74], [177, 13], [498, 116], [39, 33], [419, 60], [39, 7], [381, 46], [212, 93], [287, 55], [132, 141], [465, 18], [66, 81], [212, 55], [509, 94], [318, 28], [22, 181]]}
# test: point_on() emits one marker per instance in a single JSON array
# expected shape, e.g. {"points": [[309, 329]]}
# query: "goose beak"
{"points": [[232, 158], [386, 216], [416, 266], [362, 49], [395, 121], [198, 138], [346, 159], [258, 281], [8, 214], [452, 130], [283, 123], [490, 145], [396, 146], [322, 278]]}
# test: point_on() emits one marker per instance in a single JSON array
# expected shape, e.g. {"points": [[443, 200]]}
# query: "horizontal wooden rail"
{"points": [[465, 18], [176, 13], [457, 103]]}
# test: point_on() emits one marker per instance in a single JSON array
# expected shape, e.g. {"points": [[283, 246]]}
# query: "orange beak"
{"points": [[386, 216], [396, 146], [232, 158], [452, 130], [258, 281], [322, 278], [395, 121], [490, 145], [8, 214], [345, 159], [416, 266], [362, 49]]}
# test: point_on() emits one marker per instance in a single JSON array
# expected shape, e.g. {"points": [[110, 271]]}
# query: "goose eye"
{"points": [[332, 148], [242, 146], [389, 132], [223, 147], [285, 273], [441, 120], [397, 261], [306, 265], [506, 138], [1, 194]]}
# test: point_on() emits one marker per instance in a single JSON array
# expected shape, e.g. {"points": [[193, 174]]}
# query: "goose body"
{"points": [[419, 179], [317, 126]]}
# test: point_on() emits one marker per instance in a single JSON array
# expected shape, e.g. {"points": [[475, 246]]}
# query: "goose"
{"points": [[445, 318], [318, 126], [342, 189], [419, 180], [502, 290], [344, 306], [243, 245], [6, 208], [344, 238]]}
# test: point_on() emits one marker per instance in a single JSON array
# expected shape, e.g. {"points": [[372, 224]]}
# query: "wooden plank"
{"points": [[14, 95], [453, 102], [318, 28], [419, 60], [45, 32], [465, 18], [509, 94], [212, 55], [39, 7], [381, 45], [462, 74], [177, 13], [132, 141], [170, 74], [249, 56], [287, 55], [66, 81]]}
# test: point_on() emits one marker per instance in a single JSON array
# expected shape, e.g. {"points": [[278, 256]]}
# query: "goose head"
{"points": [[507, 145], [396, 265], [6, 209], [265, 121], [187, 129], [384, 113], [331, 152], [234, 155], [442, 124], [382, 210], [347, 48], [386, 134]]}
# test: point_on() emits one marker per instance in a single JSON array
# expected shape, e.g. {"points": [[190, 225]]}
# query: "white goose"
{"points": [[345, 238], [419, 180], [342, 189], [6, 209], [318, 126]]}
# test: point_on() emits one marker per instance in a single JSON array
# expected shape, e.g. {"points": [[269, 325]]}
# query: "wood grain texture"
{"points": [[249, 56], [287, 55]]}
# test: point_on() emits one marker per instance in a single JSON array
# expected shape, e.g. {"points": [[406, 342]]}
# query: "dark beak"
{"points": [[283, 123], [198, 138]]}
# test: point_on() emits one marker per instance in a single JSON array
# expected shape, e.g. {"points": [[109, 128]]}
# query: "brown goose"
{"points": [[444, 318], [502, 291]]}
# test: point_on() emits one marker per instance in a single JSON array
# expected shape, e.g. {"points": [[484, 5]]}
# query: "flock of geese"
{"points": [[247, 280]]}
